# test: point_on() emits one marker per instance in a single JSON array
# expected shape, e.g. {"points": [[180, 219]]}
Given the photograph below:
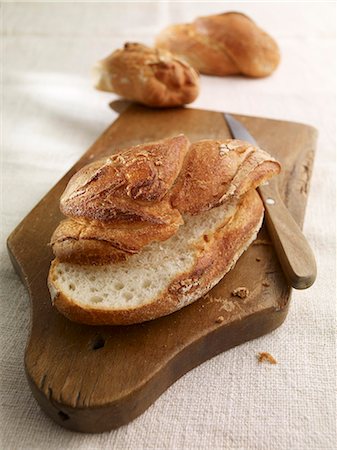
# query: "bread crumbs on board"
{"points": [[241, 292]]}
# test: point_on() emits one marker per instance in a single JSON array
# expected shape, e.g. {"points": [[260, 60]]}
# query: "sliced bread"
{"points": [[165, 276]]}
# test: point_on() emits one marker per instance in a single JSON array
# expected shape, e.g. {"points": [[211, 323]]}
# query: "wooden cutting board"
{"points": [[93, 379]]}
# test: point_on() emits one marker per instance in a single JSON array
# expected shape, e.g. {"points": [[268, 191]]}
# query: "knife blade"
{"points": [[292, 248]]}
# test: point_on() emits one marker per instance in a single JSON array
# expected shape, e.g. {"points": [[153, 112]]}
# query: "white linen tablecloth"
{"points": [[51, 115]]}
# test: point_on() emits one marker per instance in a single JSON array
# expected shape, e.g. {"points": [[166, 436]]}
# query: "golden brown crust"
{"points": [[207, 56], [150, 76], [215, 258], [129, 185], [219, 171], [223, 44], [118, 205]]}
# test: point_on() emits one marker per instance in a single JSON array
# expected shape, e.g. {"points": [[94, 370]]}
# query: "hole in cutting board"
{"points": [[98, 342], [63, 415]]}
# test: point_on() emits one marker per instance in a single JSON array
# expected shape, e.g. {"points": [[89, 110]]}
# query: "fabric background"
{"points": [[51, 115]]}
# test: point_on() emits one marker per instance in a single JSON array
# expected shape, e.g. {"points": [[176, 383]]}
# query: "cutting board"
{"points": [[93, 379]]}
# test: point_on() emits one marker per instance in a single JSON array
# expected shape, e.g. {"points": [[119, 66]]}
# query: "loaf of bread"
{"points": [[224, 44], [149, 76], [154, 227]]}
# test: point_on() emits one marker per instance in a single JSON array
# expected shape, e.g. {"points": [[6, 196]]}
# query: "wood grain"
{"points": [[92, 379], [292, 249]]}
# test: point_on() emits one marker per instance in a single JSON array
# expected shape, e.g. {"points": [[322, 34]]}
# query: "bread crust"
{"points": [[215, 257], [146, 75], [223, 44], [216, 171], [129, 185]]}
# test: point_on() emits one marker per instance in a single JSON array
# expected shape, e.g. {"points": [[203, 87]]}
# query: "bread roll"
{"points": [[149, 76], [224, 44], [154, 227]]}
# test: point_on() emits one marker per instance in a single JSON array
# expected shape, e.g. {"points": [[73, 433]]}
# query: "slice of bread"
{"points": [[165, 276]]}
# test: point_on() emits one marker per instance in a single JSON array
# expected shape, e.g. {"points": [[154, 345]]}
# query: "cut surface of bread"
{"points": [[165, 276]]}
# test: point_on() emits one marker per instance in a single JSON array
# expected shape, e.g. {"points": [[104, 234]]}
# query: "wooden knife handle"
{"points": [[295, 255]]}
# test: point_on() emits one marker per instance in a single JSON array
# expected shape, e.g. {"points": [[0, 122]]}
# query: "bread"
{"points": [[150, 76], [143, 240], [118, 205], [162, 278], [224, 44]]}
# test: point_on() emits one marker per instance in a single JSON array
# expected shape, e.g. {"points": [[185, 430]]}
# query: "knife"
{"points": [[295, 255]]}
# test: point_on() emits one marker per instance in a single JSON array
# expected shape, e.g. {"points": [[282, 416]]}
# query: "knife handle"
{"points": [[295, 255]]}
